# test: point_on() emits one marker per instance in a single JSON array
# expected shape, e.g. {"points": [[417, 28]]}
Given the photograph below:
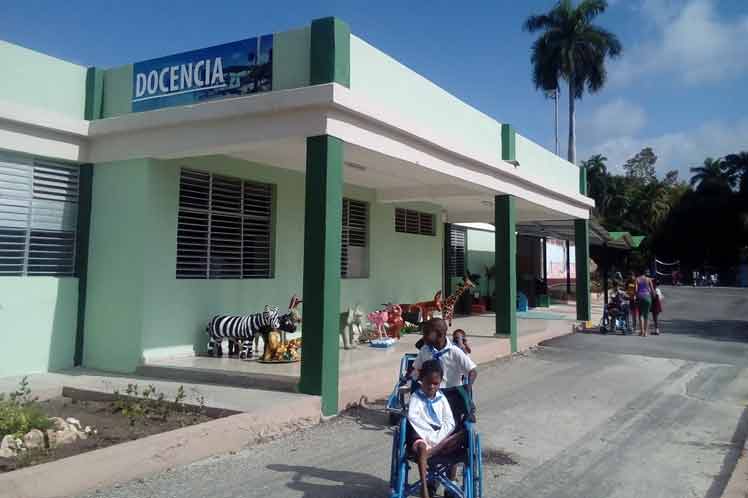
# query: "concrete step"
{"points": [[221, 377]]}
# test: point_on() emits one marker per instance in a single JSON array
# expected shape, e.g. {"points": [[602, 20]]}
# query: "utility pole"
{"points": [[553, 94], [555, 116]]}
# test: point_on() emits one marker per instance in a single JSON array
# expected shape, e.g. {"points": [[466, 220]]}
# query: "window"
{"points": [[409, 221], [38, 217], [224, 227], [457, 239], [354, 258]]}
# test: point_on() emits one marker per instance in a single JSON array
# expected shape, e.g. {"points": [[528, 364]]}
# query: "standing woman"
{"points": [[656, 306], [644, 293], [633, 308]]}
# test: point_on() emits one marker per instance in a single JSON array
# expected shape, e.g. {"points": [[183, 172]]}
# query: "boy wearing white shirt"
{"points": [[456, 365], [432, 425]]}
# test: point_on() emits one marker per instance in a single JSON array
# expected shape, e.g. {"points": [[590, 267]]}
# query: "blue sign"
{"points": [[229, 70]]}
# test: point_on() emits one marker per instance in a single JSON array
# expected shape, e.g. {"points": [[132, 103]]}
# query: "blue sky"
{"points": [[681, 86]]}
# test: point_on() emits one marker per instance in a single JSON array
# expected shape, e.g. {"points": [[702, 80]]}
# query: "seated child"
{"points": [[431, 430]]}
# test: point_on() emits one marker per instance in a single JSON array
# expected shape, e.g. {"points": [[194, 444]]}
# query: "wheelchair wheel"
{"points": [[393, 459], [604, 324], [478, 470], [394, 419]]}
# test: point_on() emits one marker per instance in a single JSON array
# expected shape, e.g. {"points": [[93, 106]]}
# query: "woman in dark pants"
{"points": [[656, 306]]}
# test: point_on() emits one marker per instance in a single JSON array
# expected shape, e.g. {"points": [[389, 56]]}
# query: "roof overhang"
{"points": [[230, 125]]}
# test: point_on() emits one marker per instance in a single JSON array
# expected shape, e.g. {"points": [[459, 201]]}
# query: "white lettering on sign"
{"points": [[174, 80]]}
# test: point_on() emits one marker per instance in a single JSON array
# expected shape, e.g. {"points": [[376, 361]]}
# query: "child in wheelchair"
{"points": [[616, 314], [432, 430]]}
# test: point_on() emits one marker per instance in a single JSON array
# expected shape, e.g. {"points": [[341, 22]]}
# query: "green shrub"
{"points": [[143, 405], [19, 412]]}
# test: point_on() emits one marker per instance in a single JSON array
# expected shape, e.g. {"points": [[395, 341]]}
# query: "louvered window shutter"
{"points": [[416, 222], [354, 258], [456, 256], [38, 217], [225, 227]]}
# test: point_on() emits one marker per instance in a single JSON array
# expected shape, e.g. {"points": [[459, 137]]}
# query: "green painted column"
{"points": [[94, 93], [322, 233], [582, 257], [508, 143], [505, 254], [330, 52], [583, 180], [81, 255]]}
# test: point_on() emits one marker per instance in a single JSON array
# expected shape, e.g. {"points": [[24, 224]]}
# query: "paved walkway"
{"points": [[565, 421]]}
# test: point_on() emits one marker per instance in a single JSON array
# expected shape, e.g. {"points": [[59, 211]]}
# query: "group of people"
{"points": [[441, 400], [643, 297]]}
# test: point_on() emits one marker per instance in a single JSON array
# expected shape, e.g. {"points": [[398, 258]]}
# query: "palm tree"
{"points": [[597, 181], [712, 174], [737, 164], [573, 49]]}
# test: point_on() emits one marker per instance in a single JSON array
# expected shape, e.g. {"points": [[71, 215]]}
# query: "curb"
{"points": [[123, 462], [737, 486]]}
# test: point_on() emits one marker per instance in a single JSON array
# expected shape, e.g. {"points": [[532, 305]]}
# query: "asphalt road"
{"points": [[585, 416]]}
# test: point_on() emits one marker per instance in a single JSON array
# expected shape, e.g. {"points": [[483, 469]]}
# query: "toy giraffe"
{"points": [[449, 304]]}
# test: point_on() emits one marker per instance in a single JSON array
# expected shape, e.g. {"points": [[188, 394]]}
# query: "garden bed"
{"points": [[94, 424]]}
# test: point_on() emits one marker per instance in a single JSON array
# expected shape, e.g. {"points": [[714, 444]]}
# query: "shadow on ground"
{"points": [[342, 484], [718, 330], [371, 417]]}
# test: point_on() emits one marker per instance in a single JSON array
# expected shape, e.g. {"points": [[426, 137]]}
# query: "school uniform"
{"points": [[430, 419], [457, 366], [455, 363]]}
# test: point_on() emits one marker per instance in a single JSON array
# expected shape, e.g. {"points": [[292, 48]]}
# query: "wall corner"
{"points": [[508, 143], [94, 93], [330, 52]]}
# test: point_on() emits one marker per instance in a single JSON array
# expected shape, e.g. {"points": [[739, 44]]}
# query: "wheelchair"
{"points": [[397, 401], [615, 318], [403, 461]]}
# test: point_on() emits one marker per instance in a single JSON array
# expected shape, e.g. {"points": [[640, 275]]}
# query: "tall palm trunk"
{"points": [[572, 155]]}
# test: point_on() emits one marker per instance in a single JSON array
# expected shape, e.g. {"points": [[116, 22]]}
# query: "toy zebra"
{"points": [[240, 328], [287, 323]]}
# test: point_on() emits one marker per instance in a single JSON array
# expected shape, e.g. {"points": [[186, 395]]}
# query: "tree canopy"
{"points": [[702, 222], [574, 49]]}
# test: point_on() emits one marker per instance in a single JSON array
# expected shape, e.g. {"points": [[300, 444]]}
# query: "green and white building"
{"points": [[130, 214]]}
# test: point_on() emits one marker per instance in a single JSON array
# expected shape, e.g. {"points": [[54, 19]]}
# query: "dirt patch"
{"points": [[112, 428], [498, 457]]}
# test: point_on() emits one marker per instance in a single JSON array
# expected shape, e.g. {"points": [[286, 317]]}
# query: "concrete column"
{"points": [[545, 263], [568, 268], [505, 254], [605, 271], [322, 233], [582, 254]]}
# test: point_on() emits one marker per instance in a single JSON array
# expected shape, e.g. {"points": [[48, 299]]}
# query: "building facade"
{"points": [[138, 201]]}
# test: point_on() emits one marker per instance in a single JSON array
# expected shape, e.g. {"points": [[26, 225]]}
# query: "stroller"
{"points": [[616, 316], [469, 453]]}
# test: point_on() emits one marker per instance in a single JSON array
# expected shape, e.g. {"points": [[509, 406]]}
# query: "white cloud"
{"points": [[618, 117], [677, 150], [692, 42]]}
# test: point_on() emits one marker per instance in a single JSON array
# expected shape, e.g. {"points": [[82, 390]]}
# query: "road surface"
{"points": [[585, 416]]}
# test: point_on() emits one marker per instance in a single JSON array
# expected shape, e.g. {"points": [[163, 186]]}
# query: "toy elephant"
{"points": [[351, 326]]}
